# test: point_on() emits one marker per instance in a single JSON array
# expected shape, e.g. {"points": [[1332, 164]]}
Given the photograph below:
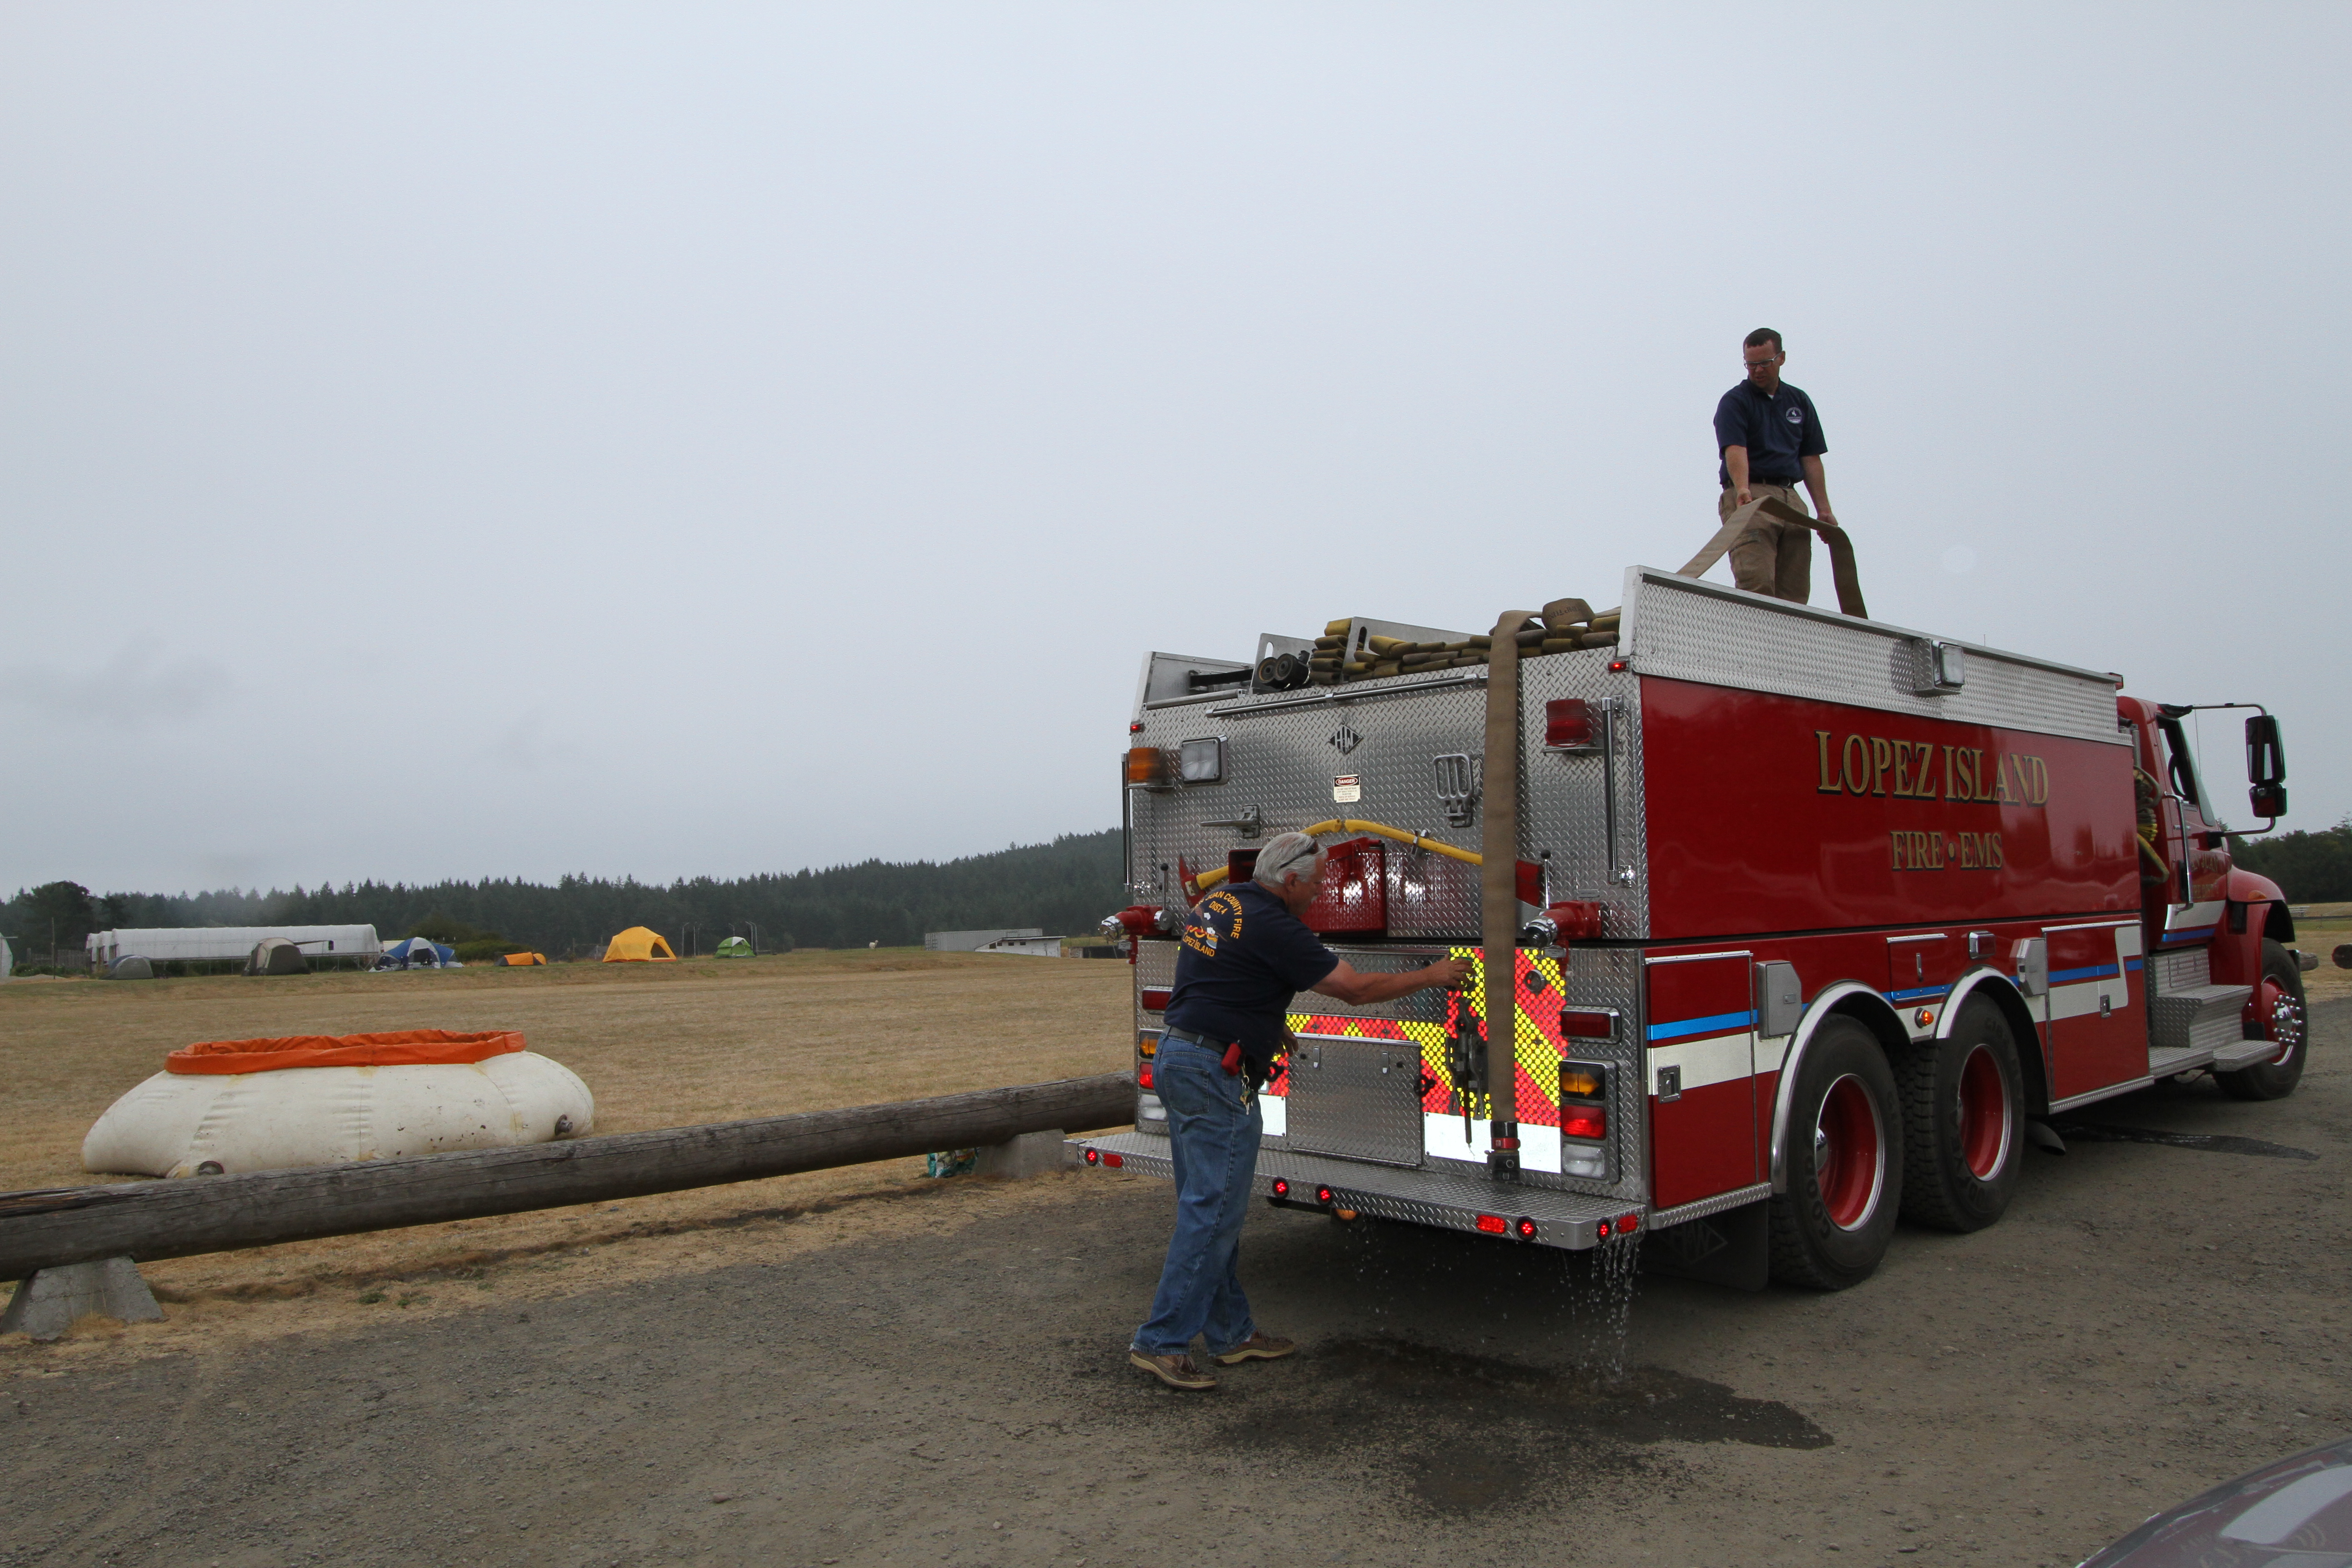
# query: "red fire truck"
{"points": [[1808, 921]]}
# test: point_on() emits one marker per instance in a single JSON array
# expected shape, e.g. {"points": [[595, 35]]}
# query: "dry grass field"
{"points": [[659, 1045]]}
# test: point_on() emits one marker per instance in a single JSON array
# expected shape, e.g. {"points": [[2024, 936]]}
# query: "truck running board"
{"points": [[1574, 1221]]}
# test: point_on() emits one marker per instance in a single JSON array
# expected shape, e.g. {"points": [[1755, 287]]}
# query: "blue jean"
{"points": [[1213, 1133]]}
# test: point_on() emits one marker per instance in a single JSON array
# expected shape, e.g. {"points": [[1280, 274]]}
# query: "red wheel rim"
{"points": [[1849, 1154], [1984, 1114], [2282, 1019]]}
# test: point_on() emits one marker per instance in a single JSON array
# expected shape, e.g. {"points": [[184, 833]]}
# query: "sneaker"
{"points": [[1175, 1371], [1259, 1346]]}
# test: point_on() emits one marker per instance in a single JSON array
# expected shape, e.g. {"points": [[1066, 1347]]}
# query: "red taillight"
{"points": [[1583, 1122], [1136, 728], [1322, 1195], [1493, 1225], [1143, 1075], [1094, 1156], [1619, 666], [1567, 723], [1282, 1186], [1154, 999], [1601, 1230], [1629, 1224], [1114, 1161], [1527, 1229], [1579, 1025]]}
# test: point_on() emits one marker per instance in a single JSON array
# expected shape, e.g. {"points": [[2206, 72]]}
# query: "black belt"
{"points": [[1190, 1038]]}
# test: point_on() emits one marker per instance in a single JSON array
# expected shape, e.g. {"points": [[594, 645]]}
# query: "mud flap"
{"points": [[1733, 1248]]}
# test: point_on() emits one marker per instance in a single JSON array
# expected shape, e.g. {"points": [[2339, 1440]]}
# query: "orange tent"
{"points": [[520, 960], [638, 945]]}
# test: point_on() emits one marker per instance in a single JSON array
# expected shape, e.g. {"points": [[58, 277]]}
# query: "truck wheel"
{"points": [[1844, 1163], [2278, 1014], [1963, 1122]]}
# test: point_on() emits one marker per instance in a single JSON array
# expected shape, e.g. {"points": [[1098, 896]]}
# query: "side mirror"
{"points": [[2265, 765]]}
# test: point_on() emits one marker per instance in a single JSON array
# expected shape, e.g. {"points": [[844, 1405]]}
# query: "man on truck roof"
{"points": [[1769, 438], [1244, 955]]}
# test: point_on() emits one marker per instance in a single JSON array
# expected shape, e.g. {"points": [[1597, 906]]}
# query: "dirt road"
{"points": [[933, 1376]]}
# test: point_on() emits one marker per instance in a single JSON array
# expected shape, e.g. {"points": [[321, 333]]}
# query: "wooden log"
{"points": [[190, 1215]]}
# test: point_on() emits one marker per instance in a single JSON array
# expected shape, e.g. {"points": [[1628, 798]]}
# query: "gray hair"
{"points": [[1286, 852]]}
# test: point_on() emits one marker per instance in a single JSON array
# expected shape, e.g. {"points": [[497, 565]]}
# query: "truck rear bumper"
{"points": [[1573, 1221]]}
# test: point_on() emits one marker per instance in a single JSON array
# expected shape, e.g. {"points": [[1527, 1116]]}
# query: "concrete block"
{"points": [[1031, 1154], [46, 1305]]}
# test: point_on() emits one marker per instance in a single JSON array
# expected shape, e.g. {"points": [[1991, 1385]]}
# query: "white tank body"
{"points": [[173, 1124]]}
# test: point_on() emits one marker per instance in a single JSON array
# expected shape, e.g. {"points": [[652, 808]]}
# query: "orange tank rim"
{"points": [[404, 1048]]}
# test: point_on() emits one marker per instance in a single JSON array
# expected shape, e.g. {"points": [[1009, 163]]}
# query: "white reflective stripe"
{"points": [[2189, 917], [2081, 999], [1442, 1135], [2127, 942], [1702, 1062], [1771, 1051], [1274, 1114], [1539, 1147]]}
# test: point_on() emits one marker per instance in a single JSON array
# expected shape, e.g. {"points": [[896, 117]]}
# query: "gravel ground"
{"points": [[937, 1378]]}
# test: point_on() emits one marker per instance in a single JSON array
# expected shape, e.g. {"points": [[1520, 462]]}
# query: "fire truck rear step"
{"points": [[1570, 1220], [2197, 1021]]}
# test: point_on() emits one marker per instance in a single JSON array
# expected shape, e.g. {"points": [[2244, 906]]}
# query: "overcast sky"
{"points": [[505, 440]]}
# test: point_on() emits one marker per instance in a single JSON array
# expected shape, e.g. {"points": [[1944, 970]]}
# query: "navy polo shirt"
{"points": [[1777, 431], [1244, 956]]}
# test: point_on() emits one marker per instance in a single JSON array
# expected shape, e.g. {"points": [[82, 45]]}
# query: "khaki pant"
{"points": [[1771, 557]]}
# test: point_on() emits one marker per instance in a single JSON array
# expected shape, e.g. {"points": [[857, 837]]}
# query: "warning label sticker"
{"points": [[1348, 789]]}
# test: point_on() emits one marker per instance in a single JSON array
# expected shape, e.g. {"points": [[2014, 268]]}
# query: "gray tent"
{"points": [[276, 955], [131, 966]]}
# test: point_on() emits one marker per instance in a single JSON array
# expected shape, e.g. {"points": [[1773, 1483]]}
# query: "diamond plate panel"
{"points": [[1283, 761], [1689, 630], [2174, 972], [1417, 1198], [1564, 804], [1356, 1097]]}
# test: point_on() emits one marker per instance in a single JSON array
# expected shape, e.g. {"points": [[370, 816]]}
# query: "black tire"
{"points": [[1831, 1226], [1963, 1122], [2289, 1022]]}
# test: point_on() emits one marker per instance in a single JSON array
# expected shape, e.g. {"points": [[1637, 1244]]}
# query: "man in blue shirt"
{"points": [[1245, 953], [1769, 438]]}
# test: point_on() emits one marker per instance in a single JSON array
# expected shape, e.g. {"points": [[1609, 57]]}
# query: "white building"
{"points": [[973, 940], [215, 944]]}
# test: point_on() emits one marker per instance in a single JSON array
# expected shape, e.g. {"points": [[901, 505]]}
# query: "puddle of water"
{"points": [[1466, 1433], [2211, 1142]]}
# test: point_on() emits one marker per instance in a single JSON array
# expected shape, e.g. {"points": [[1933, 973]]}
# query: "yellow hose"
{"points": [[1216, 874]]}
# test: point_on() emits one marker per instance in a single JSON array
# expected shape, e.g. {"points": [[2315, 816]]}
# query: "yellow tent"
{"points": [[638, 945]]}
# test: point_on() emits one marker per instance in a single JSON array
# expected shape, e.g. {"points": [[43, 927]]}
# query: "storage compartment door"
{"points": [[1701, 1032], [2098, 1018], [1355, 1098]]}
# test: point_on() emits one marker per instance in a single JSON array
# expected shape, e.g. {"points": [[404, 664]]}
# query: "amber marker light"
{"points": [[1924, 1016], [1146, 765]]}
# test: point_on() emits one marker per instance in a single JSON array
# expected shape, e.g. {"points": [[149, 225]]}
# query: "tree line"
{"points": [[1065, 887]]}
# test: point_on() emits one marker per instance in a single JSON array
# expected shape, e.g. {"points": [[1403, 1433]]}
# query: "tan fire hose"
{"points": [[1216, 874], [1499, 874], [1840, 548]]}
